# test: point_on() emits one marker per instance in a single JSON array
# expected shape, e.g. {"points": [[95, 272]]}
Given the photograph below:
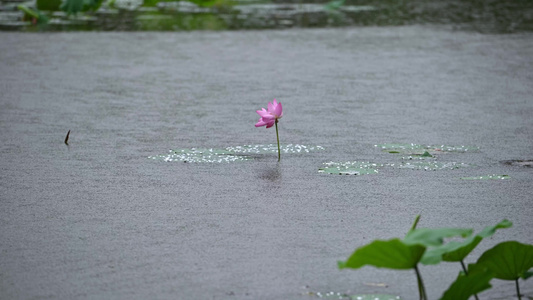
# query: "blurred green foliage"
{"points": [[201, 3], [51, 5], [35, 16], [76, 6]]}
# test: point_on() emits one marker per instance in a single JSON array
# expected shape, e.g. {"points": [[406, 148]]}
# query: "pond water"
{"points": [[483, 16], [99, 219]]}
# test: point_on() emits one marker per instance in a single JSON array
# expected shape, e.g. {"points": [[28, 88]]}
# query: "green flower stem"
{"points": [[421, 288], [415, 223], [277, 135], [518, 289]]}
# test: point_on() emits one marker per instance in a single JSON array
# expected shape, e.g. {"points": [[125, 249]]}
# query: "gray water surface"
{"points": [[98, 219]]}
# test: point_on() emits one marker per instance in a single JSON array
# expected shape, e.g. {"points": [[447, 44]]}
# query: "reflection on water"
{"points": [[271, 173], [479, 15]]}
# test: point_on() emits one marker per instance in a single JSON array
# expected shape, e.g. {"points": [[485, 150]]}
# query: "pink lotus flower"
{"points": [[270, 117]]}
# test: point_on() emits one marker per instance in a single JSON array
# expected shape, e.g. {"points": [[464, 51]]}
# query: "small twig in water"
{"points": [[66, 138]]}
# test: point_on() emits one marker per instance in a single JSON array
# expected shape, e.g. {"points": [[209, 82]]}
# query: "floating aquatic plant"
{"points": [[422, 149], [431, 166], [350, 168], [487, 177], [230, 154], [424, 156], [201, 155], [362, 168], [345, 296], [271, 148]]}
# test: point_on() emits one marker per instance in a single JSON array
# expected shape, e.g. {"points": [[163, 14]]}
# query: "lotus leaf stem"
{"points": [[518, 289], [421, 288]]}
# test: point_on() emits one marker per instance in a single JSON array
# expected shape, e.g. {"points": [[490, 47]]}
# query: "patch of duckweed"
{"points": [[344, 296], [273, 148], [431, 166], [417, 149], [350, 168], [229, 154], [488, 177]]}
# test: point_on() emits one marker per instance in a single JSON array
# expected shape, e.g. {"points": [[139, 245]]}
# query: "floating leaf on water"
{"points": [[344, 296], [201, 155], [398, 147], [445, 148], [423, 149], [374, 297], [230, 154], [487, 177], [426, 154], [273, 148], [350, 168], [419, 157], [213, 151], [432, 166], [347, 171], [379, 284]]}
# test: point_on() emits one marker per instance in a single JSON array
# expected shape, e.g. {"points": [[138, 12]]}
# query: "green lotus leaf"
{"points": [[527, 275], [391, 254], [508, 260], [434, 237], [464, 286], [456, 251]]}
